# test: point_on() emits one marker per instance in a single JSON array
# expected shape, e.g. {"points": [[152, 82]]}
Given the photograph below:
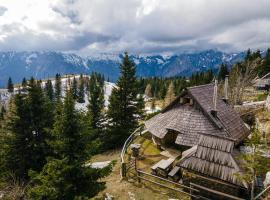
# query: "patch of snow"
{"points": [[29, 58], [99, 165]]}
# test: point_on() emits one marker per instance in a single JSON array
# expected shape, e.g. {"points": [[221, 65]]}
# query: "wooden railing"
{"points": [[124, 149], [260, 195]]}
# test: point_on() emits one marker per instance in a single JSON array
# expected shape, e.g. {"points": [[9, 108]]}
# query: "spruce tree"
{"points": [[81, 93], [65, 176], [10, 85], [16, 148], [96, 101], [123, 107], [41, 119], [49, 90], [74, 88], [24, 84], [223, 71], [58, 87]]}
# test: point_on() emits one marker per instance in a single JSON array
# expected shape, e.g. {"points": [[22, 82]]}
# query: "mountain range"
{"points": [[42, 64]]}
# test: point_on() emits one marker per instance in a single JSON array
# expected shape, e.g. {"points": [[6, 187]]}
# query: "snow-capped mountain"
{"points": [[42, 65]]}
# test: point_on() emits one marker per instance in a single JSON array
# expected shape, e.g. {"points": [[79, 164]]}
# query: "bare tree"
{"points": [[241, 77]]}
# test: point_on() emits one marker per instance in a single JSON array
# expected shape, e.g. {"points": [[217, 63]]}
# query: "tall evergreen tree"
{"points": [[10, 85], [96, 101], [74, 88], [27, 123], [123, 107], [16, 148], [81, 92], [65, 176], [49, 90], [24, 84], [58, 87], [223, 71]]}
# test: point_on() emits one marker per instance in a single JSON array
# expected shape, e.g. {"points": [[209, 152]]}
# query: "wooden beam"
{"points": [[178, 184], [162, 185]]}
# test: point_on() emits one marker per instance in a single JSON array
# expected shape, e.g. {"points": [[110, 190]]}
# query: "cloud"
{"points": [[137, 26]]}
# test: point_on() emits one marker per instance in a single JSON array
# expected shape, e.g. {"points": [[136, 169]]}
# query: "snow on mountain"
{"points": [[43, 64]]}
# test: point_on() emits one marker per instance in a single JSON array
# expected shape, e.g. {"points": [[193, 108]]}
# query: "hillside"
{"points": [[40, 64], [108, 86]]}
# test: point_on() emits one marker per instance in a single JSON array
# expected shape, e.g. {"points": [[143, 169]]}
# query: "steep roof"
{"points": [[214, 156], [190, 121]]}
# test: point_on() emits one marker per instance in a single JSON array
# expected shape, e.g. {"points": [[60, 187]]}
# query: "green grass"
{"points": [[261, 97]]}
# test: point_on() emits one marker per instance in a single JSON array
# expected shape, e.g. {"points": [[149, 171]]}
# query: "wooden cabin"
{"points": [[191, 114], [262, 83], [209, 132]]}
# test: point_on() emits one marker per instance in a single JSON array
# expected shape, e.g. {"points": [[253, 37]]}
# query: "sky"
{"points": [[137, 26]]}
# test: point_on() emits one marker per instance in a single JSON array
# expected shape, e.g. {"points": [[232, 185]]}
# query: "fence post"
{"points": [[124, 170]]}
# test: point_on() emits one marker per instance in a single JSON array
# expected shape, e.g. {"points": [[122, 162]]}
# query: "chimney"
{"points": [[214, 111], [226, 87]]}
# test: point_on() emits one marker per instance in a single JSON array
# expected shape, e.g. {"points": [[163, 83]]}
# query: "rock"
{"points": [[108, 196], [131, 196], [267, 179]]}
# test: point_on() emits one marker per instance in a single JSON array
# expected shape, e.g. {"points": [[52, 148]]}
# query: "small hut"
{"points": [[197, 111], [262, 83], [214, 163]]}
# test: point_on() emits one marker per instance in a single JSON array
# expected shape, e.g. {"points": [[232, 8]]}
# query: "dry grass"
{"points": [[127, 190]]}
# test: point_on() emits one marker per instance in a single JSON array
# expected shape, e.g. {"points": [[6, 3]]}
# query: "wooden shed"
{"points": [[214, 163]]}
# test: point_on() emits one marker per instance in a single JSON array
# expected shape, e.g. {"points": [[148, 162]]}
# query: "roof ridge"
{"points": [[198, 86]]}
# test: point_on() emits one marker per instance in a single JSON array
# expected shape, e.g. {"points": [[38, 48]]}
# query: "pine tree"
{"points": [[81, 93], [49, 90], [16, 149], [223, 71], [58, 88], [170, 96], [265, 66], [27, 123], [74, 88], [123, 107], [65, 176], [10, 85], [96, 101], [41, 119], [24, 84]]}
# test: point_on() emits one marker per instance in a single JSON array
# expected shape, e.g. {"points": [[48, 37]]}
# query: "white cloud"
{"points": [[139, 26]]}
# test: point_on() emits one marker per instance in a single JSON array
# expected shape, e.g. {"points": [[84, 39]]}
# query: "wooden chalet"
{"points": [[192, 114], [210, 132]]}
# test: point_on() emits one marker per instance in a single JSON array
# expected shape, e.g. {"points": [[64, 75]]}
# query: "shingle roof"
{"points": [[215, 157], [190, 121], [229, 120]]}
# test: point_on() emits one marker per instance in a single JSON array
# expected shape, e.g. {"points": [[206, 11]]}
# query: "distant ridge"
{"points": [[43, 64]]}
